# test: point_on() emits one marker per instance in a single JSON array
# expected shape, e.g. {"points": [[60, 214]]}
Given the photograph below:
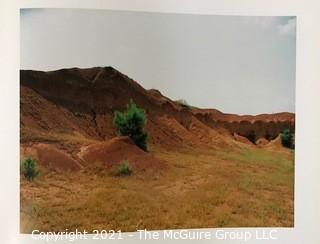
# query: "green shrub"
{"points": [[124, 169], [131, 123], [29, 168], [286, 138], [183, 103]]}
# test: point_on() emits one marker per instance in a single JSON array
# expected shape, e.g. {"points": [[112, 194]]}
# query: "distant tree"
{"points": [[131, 123], [29, 168], [183, 103], [286, 138]]}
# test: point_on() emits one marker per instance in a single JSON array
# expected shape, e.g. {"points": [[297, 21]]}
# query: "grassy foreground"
{"points": [[245, 187]]}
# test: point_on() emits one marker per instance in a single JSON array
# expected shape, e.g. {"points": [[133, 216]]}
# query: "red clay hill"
{"points": [[73, 107]]}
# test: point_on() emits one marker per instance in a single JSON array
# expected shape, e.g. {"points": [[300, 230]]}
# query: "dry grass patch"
{"points": [[247, 187]]}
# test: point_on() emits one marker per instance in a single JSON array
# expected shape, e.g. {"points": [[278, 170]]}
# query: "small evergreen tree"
{"points": [[29, 168], [286, 138], [131, 123]]}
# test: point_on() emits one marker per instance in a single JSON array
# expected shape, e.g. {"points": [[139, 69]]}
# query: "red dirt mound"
{"points": [[275, 144], [262, 142], [49, 156], [116, 150], [242, 139]]}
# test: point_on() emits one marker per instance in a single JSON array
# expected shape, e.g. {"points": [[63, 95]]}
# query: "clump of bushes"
{"points": [[29, 168], [131, 123], [124, 169], [183, 103], [286, 137]]}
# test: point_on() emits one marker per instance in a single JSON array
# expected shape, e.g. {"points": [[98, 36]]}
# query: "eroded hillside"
{"points": [[82, 102]]}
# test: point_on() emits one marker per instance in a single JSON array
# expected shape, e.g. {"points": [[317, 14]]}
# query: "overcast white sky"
{"points": [[243, 65]]}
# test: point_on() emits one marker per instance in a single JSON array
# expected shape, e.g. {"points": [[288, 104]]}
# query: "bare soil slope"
{"points": [[83, 101], [111, 153]]}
